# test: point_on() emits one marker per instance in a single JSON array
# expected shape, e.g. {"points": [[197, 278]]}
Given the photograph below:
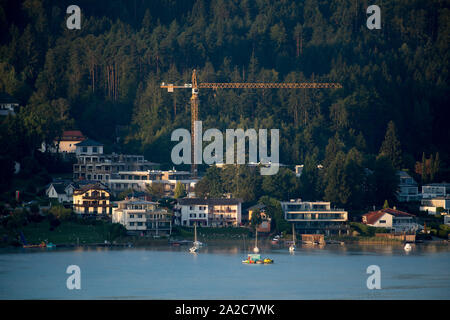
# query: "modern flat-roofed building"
{"points": [[93, 164], [142, 217], [432, 205], [434, 190], [408, 189], [140, 180], [209, 212], [315, 217]]}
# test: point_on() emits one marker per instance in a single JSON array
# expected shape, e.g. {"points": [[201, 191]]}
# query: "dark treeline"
{"points": [[104, 79]]}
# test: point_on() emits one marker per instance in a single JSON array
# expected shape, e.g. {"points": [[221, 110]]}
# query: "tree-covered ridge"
{"points": [[104, 79]]}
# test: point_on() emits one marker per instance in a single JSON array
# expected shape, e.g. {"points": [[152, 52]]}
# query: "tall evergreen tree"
{"points": [[391, 146]]}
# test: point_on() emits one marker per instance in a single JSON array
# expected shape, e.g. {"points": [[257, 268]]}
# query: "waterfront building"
{"points": [[92, 200], [141, 217], [391, 219], [315, 217], [408, 189], [141, 180], [436, 205], [434, 190], [93, 164], [209, 212]]}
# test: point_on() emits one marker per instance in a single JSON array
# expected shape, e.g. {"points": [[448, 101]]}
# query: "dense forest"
{"points": [[104, 80]]}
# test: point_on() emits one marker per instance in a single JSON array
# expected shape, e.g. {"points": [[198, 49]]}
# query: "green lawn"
{"points": [[66, 233]]}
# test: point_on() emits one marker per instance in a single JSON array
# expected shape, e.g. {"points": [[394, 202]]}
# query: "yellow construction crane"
{"points": [[232, 85]]}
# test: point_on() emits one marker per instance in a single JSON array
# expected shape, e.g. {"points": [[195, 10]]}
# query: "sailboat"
{"points": [[292, 246], [196, 245], [256, 249]]}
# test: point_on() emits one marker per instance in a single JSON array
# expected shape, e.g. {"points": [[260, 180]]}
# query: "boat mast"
{"points": [[195, 233], [293, 234]]}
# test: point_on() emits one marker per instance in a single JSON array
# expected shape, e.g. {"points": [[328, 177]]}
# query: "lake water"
{"points": [[331, 272]]}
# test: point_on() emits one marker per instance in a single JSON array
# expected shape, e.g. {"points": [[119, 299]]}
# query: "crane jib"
{"points": [[306, 85]]}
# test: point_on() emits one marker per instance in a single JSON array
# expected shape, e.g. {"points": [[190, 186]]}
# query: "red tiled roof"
{"points": [[374, 216], [72, 135]]}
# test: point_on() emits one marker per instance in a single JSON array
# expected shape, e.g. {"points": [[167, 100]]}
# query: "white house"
{"points": [[210, 212], [142, 217], [62, 191], [395, 220], [88, 147], [408, 189]]}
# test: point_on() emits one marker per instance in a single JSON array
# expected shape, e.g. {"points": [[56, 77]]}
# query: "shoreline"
{"points": [[150, 242]]}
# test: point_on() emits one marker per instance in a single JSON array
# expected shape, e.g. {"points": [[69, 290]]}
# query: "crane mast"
{"points": [[194, 86]]}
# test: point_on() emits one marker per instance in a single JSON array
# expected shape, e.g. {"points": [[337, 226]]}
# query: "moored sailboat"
{"points": [[292, 246]]}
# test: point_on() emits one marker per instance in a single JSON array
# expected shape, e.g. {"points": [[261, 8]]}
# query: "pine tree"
{"points": [[391, 146]]}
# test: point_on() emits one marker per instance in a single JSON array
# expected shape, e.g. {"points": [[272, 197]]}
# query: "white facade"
{"points": [[61, 192], [140, 180], [142, 216], [210, 212], [431, 205], [434, 190], [392, 219]]}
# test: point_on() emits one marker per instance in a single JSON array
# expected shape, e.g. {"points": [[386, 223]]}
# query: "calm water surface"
{"points": [[332, 272]]}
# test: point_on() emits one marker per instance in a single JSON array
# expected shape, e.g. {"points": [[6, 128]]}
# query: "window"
{"points": [[131, 224], [139, 215], [131, 215], [94, 149], [382, 221], [139, 224], [84, 149]]}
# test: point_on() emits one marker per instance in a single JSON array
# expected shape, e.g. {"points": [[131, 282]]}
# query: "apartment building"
{"points": [[315, 217], [209, 212], [93, 164], [140, 180], [142, 217]]}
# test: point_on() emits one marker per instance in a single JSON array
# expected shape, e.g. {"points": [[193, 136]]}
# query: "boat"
{"points": [[196, 246], [292, 246], [41, 245], [50, 245], [407, 247], [256, 249], [254, 258]]}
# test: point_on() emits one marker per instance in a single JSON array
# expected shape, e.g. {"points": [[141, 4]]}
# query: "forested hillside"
{"points": [[104, 79]]}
